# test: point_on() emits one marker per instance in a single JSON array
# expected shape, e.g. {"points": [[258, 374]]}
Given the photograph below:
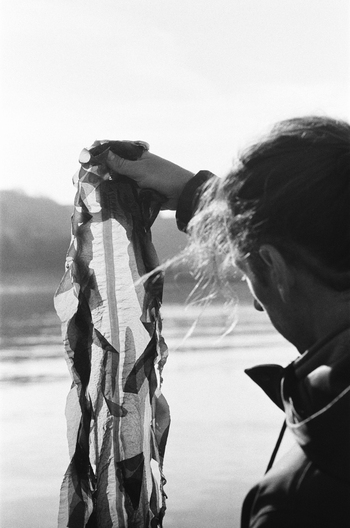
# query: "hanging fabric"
{"points": [[117, 417]]}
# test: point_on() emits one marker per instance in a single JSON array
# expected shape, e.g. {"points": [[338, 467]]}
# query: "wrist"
{"points": [[188, 199]]}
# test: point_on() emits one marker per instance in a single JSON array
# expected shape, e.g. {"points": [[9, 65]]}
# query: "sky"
{"points": [[198, 79]]}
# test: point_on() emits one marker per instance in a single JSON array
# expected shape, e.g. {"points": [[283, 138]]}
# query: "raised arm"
{"points": [[180, 186], [152, 172]]}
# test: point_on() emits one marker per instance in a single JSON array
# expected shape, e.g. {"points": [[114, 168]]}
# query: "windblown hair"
{"points": [[291, 190]]}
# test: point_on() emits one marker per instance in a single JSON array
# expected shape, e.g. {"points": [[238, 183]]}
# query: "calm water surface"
{"points": [[223, 427]]}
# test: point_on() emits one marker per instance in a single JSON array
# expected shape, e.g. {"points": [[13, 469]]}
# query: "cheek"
{"points": [[265, 301], [253, 289]]}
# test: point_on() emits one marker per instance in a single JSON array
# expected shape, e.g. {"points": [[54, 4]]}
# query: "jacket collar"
{"points": [[269, 376]]}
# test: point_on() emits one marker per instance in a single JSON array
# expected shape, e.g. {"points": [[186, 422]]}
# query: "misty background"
{"points": [[35, 235], [196, 79]]}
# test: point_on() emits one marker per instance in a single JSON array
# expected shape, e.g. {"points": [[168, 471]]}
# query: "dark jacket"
{"points": [[310, 486]]}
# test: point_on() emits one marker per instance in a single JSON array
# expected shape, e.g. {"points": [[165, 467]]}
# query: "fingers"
{"points": [[143, 170], [142, 144], [153, 172], [120, 165]]}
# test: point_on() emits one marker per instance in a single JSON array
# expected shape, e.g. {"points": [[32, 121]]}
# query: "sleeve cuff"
{"points": [[188, 199]]}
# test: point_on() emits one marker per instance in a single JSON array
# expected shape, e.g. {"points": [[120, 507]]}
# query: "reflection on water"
{"points": [[31, 344]]}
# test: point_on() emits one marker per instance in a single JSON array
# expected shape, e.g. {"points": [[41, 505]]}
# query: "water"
{"points": [[223, 427]]}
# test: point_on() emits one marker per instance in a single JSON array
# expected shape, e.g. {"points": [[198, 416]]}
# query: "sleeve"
{"points": [[189, 198]]}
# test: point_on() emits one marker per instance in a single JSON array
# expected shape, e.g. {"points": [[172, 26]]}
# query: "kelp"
{"points": [[117, 418]]}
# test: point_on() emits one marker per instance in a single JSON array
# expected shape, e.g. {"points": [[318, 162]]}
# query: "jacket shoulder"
{"points": [[295, 493]]}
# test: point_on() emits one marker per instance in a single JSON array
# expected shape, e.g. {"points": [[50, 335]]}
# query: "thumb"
{"points": [[119, 164]]}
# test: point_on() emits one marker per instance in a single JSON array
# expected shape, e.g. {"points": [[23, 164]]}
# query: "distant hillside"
{"points": [[35, 234]]}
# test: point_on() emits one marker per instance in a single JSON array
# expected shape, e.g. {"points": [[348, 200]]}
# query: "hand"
{"points": [[152, 172]]}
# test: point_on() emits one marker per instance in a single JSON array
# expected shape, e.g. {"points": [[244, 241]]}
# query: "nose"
{"points": [[258, 306]]}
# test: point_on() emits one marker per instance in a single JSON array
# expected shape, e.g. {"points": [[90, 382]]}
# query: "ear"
{"points": [[279, 271]]}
